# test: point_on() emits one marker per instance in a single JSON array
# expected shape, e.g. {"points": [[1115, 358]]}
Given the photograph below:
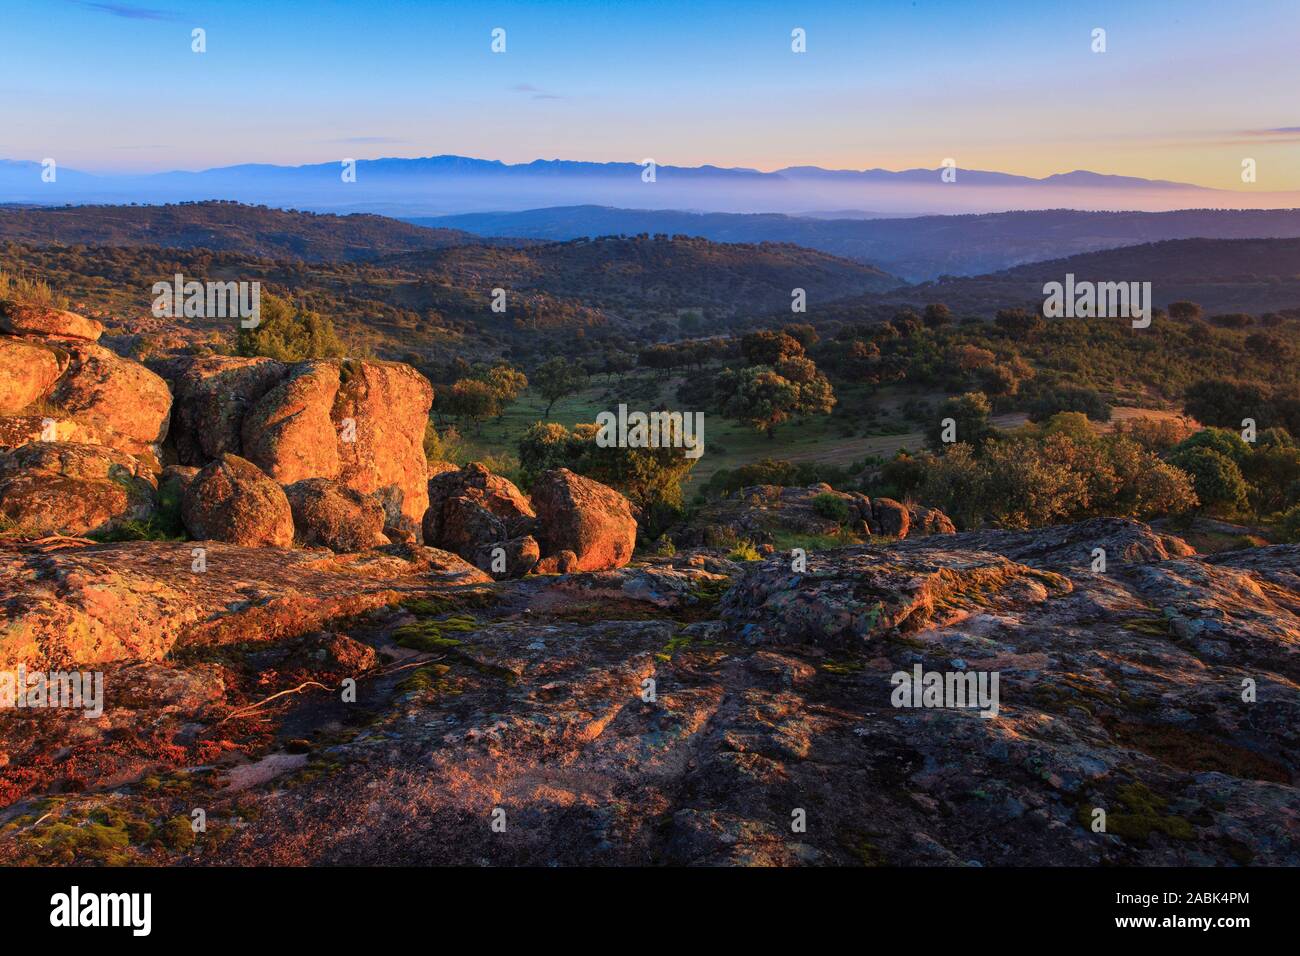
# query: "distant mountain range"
{"points": [[441, 185], [916, 249]]}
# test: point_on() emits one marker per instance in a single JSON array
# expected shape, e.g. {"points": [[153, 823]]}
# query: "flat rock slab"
{"points": [[137, 600]]}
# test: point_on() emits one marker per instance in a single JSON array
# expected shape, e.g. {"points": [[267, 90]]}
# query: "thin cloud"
{"points": [[538, 92], [364, 140], [126, 10]]}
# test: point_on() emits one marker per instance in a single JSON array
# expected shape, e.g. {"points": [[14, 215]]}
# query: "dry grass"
{"points": [[34, 292]]}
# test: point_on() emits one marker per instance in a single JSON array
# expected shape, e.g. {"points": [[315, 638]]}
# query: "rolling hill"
{"points": [[1222, 275], [225, 227], [917, 249]]}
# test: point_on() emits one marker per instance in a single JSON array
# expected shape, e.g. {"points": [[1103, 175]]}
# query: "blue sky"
{"points": [[1185, 90]]}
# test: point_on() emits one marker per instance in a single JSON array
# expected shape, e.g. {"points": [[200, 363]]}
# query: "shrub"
{"points": [[1270, 471], [34, 292], [1086, 400], [1155, 434], [970, 412], [1226, 442], [443, 446], [1224, 403], [1216, 477], [954, 483], [1289, 526], [290, 333], [831, 507]]}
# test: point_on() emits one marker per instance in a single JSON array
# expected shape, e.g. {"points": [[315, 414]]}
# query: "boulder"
{"points": [[327, 514], [466, 526], [44, 322], [929, 521], [18, 430], [388, 405], [288, 432], [129, 404], [231, 500], [361, 423], [72, 489], [592, 520], [179, 475], [28, 371], [470, 508], [519, 555], [891, 517], [212, 395], [562, 562], [759, 513]]}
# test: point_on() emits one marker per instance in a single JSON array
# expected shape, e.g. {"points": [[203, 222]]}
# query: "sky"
{"points": [[1185, 91]]}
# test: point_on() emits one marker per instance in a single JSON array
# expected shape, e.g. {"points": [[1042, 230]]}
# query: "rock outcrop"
{"points": [[360, 423], [72, 489], [16, 430], [28, 370], [212, 395], [592, 520], [137, 600], [232, 500], [330, 515], [43, 322], [774, 688], [129, 404], [509, 559], [760, 513], [471, 511], [577, 523]]}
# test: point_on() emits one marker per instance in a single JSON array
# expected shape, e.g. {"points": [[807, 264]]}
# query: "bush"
{"points": [[773, 471], [1159, 435], [955, 484], [970, 412], [1289, 526], [1086, 400], [443, 446], [33, 292], [1225, 442], [651, 478], [1027, 482], [1216, 477], [1224, 403], [289, 333], [831, 507], [1270, 471], [903, 476]]}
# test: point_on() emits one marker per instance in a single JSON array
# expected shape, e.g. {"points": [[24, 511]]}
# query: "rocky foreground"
{"points": [[315, 647], [685, 710]]}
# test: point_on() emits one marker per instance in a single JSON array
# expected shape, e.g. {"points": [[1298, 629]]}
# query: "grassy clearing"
{"points": [[840, 437], [865, 424]]}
